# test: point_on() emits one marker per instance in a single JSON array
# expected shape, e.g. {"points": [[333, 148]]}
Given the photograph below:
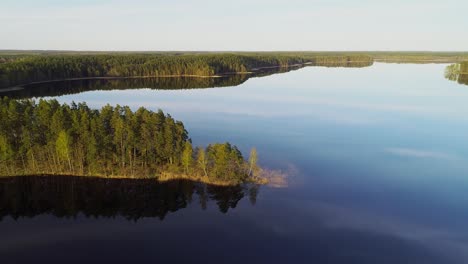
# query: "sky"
{"points": [[235, 25]]}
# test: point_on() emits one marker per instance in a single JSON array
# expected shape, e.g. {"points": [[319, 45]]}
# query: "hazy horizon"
{"points": [[208, 25], [215, 51]]}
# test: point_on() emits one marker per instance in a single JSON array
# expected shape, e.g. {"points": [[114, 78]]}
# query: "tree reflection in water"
{"points": [[457, 72], [59, 88], [67, 196]]}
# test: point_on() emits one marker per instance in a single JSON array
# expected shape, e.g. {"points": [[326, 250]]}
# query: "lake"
{"points": [[377, 165]]}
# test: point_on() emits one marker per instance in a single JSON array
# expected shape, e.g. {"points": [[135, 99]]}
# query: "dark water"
{"points": [[378, 169]]}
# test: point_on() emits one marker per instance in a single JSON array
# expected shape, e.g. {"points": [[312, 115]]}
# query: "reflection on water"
{"points": [[380, 156], [457, 72], [75, 86], [66, 196], [59, 88]]}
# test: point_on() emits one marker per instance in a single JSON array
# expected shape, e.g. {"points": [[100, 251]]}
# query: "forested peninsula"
{"points": [[49, 138], [25, 69]]}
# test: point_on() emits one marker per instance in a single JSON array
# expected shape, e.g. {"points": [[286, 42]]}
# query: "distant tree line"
{"points": [[419, 57], [65, 87], [52, 138], [37, 68]]}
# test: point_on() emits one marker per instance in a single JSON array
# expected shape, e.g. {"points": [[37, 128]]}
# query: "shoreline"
{"points": [[163, 177], [219, 75], [409, 61]]}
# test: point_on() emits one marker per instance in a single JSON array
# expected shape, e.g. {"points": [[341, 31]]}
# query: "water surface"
{"points": [[378, 165]]}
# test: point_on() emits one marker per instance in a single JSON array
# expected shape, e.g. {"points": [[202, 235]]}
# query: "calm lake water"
{"points": [[377, 159]]}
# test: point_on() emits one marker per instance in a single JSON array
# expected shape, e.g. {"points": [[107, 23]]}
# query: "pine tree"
{"points": [[187, 158], [63, 147], [202, 162], [253, 158]]}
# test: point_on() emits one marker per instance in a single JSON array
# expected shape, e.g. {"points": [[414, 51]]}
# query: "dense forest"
{"points": [[50, 138], [64, 196], [23, 67], [457, 72], [37, 68]]}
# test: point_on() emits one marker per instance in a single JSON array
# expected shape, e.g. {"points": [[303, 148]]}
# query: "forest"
{"points": [[49, 138], [66, 87], [24, 69], [419, 57]]}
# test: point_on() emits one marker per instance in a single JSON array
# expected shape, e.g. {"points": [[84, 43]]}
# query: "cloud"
{"points": [[419, 153]]}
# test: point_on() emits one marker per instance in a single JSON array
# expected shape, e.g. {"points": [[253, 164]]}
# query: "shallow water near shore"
{"points": [[377, 169]]}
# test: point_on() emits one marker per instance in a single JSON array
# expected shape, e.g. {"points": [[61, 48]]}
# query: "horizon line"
{"points": [[78, 50]]}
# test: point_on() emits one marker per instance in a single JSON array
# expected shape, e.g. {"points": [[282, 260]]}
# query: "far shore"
{"points": [[442, 61], [219, 75]]}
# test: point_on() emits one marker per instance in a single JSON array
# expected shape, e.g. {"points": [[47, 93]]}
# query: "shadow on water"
{"points": [[67, 196], [66, 87]]}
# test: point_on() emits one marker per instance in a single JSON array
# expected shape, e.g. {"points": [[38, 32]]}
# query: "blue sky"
{"points": [[234, 25]]}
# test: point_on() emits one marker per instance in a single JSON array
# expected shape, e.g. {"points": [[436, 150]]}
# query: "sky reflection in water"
{"points": [[381, 160]]}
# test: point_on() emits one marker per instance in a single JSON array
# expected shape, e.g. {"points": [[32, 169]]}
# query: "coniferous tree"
{"points": [[111, 141], [187, 156], [252, 160]]}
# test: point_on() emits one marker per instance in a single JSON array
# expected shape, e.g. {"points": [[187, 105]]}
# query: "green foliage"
{"points": [[202, 162], [187, 158], [49, 138], [63, 145], [225, 162], [29, 69], [5, 149], [19, 68], [418, 56], [253, 158]]}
